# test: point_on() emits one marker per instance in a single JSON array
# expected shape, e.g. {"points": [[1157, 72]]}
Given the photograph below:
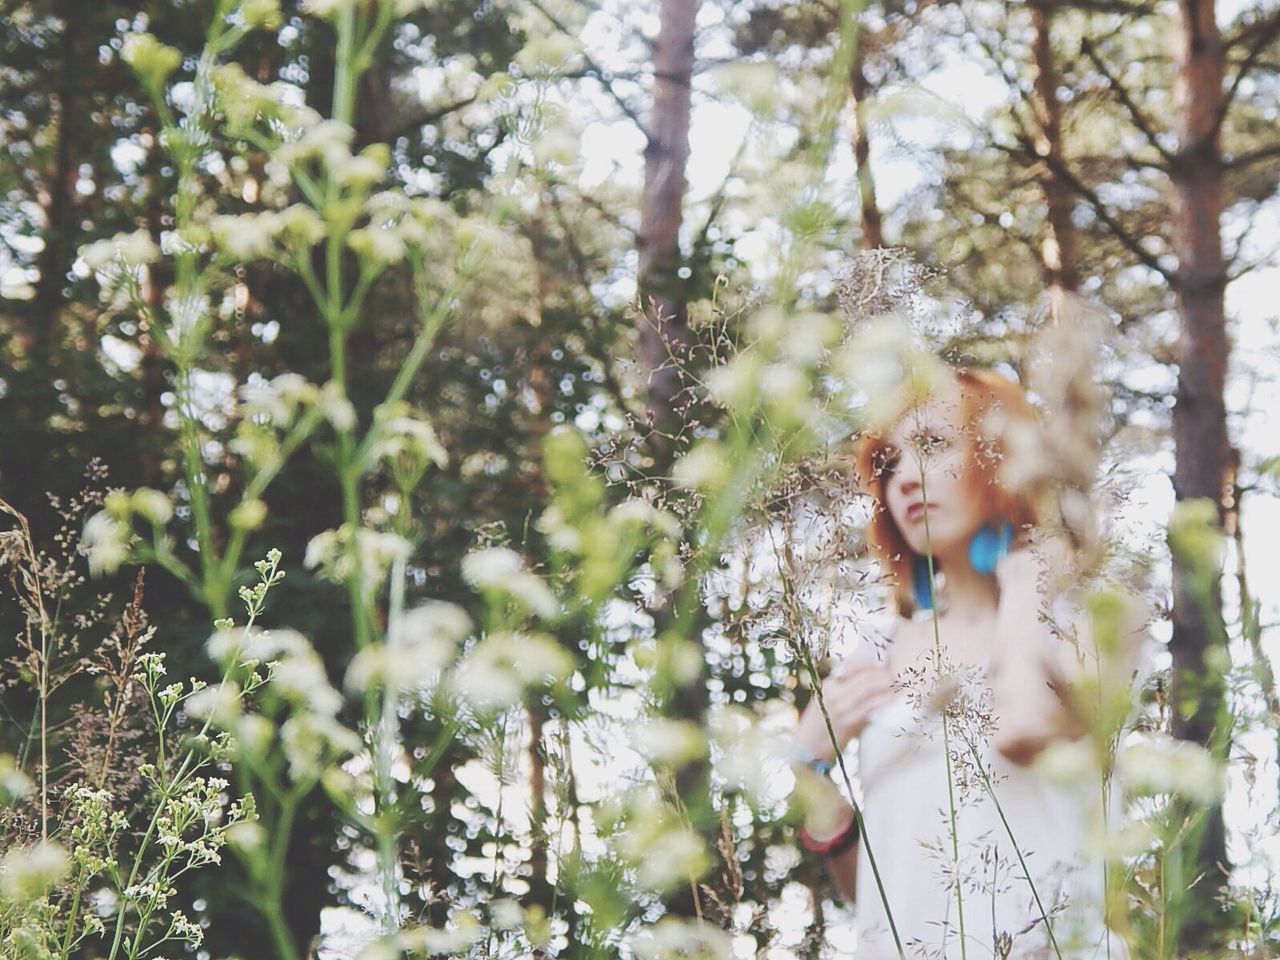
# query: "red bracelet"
{"points": [[833, 846]]}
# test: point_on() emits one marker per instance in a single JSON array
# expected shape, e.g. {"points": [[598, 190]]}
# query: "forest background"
{"points": [[364, 277]]}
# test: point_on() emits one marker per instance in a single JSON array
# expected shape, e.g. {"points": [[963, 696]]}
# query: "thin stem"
{"points": [[986, 781], [946, 731], [864, 839]]}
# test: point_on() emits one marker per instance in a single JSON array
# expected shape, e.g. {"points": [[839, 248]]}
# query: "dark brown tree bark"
{"points": [[663, 323], [859, 89], [1199, 418], [1058, 245]]}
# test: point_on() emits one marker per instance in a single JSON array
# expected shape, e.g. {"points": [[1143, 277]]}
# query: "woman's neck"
{"points": [[969, 595]]}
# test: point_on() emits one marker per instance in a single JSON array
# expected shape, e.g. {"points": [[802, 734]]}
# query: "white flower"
{"points": [[1158, 764], [381, 244], [669, 742], [463, 930], [14, 784], [886, 367], [151, 505], [337, 408], [325, 138], [124, 249], [705, 468], [312, 741], [506, 914], [105, 541], [674, 939], [747, 757], [736, 385], [496, 671], [27, 873], [248, 236], [501, 570], [220, 703], [325, 8]]}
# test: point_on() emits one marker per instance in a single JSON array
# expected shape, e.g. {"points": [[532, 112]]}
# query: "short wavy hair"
{"points": [[987, 401]]}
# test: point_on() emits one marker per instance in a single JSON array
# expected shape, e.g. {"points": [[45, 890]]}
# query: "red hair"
{"points": [[985, 399]]}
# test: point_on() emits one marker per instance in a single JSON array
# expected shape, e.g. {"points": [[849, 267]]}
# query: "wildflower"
{"points": [[365, 168], [247, 236], [325, 8], [420, 644], [663, 851], [506, 914], [462, 930], [704, 468], [501, 570], [150, 59], [323, 139], [736, 385], [669, 742], [337, 408], [1157, 764], [374, 553], [261, 13], [312, 741], [248, 515], [301, 226], [124, 249], [14, 784], [151, 505], [28, 873], [105, 541], [675, 939], [379, 244], [496, 671], [884, 366], [219, 703]]}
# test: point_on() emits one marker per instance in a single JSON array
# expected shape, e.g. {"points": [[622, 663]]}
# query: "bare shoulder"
{"points": [[906, 638]]}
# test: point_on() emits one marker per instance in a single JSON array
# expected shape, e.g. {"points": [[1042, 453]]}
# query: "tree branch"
{"points": [[1250, 157], [1100, 209], [1260, 34], [1140, 119], [597, 73]]}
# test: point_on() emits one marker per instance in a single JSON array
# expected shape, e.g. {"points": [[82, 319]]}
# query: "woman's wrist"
{"points": [[833, 844], [801, 753]]}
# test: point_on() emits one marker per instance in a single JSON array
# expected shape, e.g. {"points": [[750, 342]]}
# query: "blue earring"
{"points": [[989, 545], [921, 583]]}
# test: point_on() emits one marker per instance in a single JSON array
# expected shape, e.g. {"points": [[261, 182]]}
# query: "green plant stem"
{"points": [[864, 838], [1035, 893], [946, 732]]}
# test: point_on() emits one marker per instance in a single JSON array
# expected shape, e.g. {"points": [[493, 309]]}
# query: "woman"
{"points": [[978, 855]]}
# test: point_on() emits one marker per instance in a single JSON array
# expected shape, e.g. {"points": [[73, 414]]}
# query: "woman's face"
{"points": [[926, 476]]}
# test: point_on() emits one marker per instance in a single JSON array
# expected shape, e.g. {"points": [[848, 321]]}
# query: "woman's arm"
{"points": [[1031, 666], [850, 694]]}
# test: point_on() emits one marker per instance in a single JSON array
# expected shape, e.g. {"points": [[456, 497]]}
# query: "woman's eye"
{"points": [[889, 464]]}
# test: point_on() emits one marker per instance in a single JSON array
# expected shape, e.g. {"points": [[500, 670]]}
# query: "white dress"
{"points": [[902, 766]]}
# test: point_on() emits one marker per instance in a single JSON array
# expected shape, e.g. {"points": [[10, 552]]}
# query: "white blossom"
{"points": [[1160, 764], [27, 873], [496, 671], [124, 249], [502, 570], [105, 541]]}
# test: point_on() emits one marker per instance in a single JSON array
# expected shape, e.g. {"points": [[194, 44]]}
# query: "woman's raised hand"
{"points": [[850, 694]]}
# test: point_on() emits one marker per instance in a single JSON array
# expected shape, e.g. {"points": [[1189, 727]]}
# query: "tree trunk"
{"points": [[1058, 247], [872, 230], [1199, 418], [663, 323]]}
